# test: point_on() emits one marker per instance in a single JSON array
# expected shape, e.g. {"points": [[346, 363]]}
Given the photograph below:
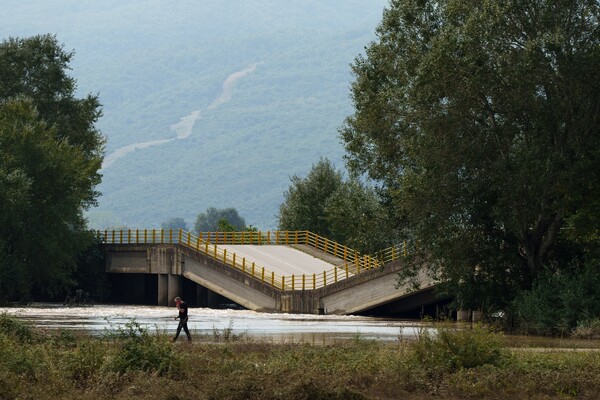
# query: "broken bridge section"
{"points": [[294, 272]]}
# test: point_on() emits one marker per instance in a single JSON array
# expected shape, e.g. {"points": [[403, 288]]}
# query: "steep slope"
{"points": [[209, 103]]}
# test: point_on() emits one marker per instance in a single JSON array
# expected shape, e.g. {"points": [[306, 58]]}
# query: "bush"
{"points": [[16, 329], [141, 351], [589, 329], [452, 349], [559, 301]]}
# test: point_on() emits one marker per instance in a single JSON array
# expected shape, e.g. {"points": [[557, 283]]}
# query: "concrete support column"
{"points": [[174, 288], [463, 315], [163, 290]]}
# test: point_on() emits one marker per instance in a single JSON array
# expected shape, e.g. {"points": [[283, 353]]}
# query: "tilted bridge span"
{"points": [[281, 271]]}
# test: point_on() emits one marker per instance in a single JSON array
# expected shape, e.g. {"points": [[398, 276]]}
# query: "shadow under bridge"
{"points": [[282, 271]]}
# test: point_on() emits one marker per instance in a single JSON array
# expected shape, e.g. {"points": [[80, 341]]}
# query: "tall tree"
{"points": [[356, 217], [50, 155], [482, 121], [304, 202]]}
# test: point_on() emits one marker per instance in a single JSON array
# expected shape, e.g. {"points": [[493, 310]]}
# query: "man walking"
{"points": [[183, 319]]}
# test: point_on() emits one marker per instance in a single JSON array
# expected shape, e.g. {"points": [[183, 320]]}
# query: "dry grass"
{"points": [[60, 365]]}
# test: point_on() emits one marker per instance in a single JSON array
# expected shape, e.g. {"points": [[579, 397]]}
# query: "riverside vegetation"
{"points": [[133, 362]]}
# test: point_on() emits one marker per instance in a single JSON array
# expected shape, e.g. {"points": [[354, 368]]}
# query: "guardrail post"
{"points": [[233, 262], [287, 238], [121, 236], [404, 248], [137, 235], [316, 241], [145, 236], [346, 270], [314, 281], [293, 281], [259, 237], [253, 269], [296, 241], [272, 279], [393, 253], [162, 235], [306, 237], [128, 236], [283, 283], [269, 237], [189, 238], [225, 256], [276, 237], [326, 244], [324, 278], [335, 274], [303, 281], [262, 276], [215, 252], [244, 265], [345, 253]]}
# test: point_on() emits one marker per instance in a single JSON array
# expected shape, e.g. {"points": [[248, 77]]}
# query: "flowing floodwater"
{"points": [[207, 323]]}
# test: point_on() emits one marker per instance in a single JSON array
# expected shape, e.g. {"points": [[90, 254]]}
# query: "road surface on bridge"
{"points": [[282, 260]]}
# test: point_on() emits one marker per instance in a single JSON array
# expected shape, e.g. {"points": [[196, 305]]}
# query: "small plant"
{"points": [[451, 349], [589, 329], [16, 328], [141, 351], [226, 334]]}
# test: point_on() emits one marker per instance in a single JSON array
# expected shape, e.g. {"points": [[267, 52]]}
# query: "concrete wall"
{"points": [[230, 283]]}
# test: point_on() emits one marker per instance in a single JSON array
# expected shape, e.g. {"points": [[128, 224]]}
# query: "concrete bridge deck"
{"points": [[303, 275]]}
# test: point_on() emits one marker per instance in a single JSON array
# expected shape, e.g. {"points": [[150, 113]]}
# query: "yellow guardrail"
{"points": [[208, 244]]}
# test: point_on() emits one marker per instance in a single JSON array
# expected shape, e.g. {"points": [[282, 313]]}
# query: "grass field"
{"points": [[133, 362]]}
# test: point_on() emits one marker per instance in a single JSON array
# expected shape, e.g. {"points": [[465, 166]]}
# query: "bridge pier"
{"points": [[169, 286]]}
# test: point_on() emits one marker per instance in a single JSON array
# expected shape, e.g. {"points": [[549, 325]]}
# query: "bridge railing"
{"points": [[208, 243]]}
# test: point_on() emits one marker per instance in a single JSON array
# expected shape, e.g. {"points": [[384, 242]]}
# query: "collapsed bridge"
{"points": [[280, 271]]}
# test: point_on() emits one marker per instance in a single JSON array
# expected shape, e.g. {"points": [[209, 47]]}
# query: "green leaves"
{"points": [[345, 211], [50, 154], [473, 115]]}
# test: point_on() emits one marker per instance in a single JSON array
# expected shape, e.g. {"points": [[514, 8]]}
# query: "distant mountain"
{"points": [[207, 103]]}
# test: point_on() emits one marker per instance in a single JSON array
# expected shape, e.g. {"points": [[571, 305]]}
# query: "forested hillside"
{"points": [[206, 104]]}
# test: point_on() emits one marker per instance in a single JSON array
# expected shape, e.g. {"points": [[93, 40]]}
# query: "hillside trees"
{"points": [[481, 121], [50, 155], [174, 223], [210, 221]]}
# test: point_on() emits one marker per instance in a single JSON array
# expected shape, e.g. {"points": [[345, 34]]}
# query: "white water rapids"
{"points": [[206, 323]]}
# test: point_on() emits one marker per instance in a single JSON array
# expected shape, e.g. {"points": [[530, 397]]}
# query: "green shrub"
{"points": [[451, 349], [559, 301], [588, 329], [138, 350], [17, 329]]}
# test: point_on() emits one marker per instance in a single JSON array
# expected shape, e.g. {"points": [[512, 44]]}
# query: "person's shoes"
{"points": [[174, 340]]}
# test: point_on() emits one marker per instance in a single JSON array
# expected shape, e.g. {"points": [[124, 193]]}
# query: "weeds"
{"points": [[451, 349], [138, 350], [132, 362]]}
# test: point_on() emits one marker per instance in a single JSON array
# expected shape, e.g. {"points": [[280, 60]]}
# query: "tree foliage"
{"points": [[210, 221], [346, 211], [304, 202], [481, 121], [174, 223], [50, 154]]}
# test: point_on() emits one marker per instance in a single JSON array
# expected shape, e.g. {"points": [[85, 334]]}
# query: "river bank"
{"points": [[132, 362]]}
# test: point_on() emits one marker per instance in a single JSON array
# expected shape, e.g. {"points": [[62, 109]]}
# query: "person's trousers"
{"points": [[183, 324]]}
